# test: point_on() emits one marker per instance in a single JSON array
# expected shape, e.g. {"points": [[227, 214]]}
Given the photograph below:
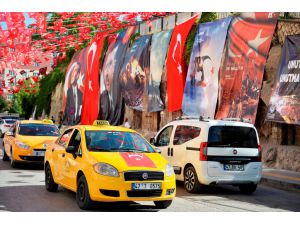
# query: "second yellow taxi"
{"points": [[108, 163]]}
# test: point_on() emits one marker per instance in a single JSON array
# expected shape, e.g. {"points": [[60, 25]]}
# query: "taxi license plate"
{"points": [[39, 153], [231, 167], [146, 186]]}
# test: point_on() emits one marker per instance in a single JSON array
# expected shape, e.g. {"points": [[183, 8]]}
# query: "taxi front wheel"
{"points": [[163, 204], [83, 198], [50, 184]]}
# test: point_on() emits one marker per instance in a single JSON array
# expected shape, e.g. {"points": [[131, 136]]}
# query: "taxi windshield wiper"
{"points": [[101, 149], [131, 150]]}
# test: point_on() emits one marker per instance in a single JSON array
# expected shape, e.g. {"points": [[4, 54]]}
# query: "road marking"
{"points": [[11, 178]]}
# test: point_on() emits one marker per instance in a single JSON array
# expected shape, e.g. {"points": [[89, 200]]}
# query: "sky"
{"points": [[28, 21]]}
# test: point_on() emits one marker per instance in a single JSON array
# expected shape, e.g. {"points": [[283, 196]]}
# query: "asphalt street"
{"points": [[23, 189]]}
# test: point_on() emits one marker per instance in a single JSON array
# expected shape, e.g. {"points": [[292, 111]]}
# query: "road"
{"points": [[23, 189]]}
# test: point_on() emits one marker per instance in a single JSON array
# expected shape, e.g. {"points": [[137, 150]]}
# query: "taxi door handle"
{"points": [[63, 155], [52, 149]]}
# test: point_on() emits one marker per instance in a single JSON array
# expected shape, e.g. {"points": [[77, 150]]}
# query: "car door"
{"points": [[9, 139], [163, 142], [73, 160], [185, 147], [59, 153]]}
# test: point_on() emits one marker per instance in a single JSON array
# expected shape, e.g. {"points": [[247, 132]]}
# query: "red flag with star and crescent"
{"points": [[176, 70], [90, 105], [241, 72]]}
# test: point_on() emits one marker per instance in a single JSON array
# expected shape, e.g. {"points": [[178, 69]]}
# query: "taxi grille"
{"points": [[144, 193], [40, 149], [138, 175], [33, 158]]}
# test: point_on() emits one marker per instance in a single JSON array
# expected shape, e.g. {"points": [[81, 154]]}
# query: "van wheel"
{"points": [[191, 182], [49, 181], [83, 198], [247, 188], [163, 204], [5, 156]]}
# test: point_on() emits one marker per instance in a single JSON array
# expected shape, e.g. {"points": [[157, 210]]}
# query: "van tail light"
{"points": [[203, 151], [259, 152]]}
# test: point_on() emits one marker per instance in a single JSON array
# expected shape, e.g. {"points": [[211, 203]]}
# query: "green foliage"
{"points": [[208, 17], [3, 104], [23, 103]]}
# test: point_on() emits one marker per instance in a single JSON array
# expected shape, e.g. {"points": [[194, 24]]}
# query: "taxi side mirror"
{"points": [[71, 149], [158, 150]]}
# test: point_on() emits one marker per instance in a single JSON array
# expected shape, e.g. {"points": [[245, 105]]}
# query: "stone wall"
{"points": [[56, 101]]}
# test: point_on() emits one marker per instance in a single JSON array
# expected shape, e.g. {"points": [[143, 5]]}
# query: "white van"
{"points": [[209, 152]]}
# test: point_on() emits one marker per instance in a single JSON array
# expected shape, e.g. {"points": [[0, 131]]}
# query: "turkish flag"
{"points": [[176, 71], [90, 105]]}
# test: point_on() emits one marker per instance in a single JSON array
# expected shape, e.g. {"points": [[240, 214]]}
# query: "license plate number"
{"points": [[39, 153], [231, 167], [146, 186]]}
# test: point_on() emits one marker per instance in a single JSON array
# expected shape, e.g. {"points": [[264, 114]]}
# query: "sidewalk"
{"points": [[281, 179]]}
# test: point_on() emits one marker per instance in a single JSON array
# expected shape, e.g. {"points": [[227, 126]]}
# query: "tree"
{"points": [[3, 104]]}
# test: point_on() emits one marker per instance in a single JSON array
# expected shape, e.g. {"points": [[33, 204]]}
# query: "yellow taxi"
{"points": [[108, 163], [25, 141]]}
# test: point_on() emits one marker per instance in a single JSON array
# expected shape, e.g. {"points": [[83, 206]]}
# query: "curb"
{"points": [[279, 184]]}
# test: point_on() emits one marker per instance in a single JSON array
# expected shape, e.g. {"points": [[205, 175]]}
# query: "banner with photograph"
{"points": [[202, 81], [284, 104], [176, 71], [135, 70], [92, 84], [159, 46], [112, 106], [74, 88], [241, 72]]}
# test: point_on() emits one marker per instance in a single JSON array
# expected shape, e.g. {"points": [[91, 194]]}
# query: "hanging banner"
{"points": [[201, 87], [74, 88], [284, 104], [159, 46], [112, 106], [176, 71], [91, 92], [241, 73], [135, 70]]}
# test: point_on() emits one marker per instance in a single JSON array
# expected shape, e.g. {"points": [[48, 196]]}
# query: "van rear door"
{"points": [[232, 146]]}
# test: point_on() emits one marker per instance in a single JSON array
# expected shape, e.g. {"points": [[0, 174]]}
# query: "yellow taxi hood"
{"points": [[35, 140], [131, 161]]}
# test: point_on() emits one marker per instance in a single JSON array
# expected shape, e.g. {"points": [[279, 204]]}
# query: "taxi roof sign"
{"points": [[47, 121], [101, 123]]}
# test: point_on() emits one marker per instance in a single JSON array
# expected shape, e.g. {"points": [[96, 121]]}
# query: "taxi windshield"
{"points": [[38, 130], [116, 141]]}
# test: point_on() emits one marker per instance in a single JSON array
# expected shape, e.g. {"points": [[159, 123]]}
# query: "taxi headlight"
{"points": [[106, 169], [169, 170], [22, 145]]}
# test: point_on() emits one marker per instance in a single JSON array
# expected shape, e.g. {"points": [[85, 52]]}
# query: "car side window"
{"points": [[75, 140], [65, 138], [164, 137], [185, 133], [1, 121]]}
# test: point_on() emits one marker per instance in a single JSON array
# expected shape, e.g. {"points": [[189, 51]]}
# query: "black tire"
{"points": [[247, 188], [51, 186], [163, 204], [83, 198], [5, 156], [191, 182]]}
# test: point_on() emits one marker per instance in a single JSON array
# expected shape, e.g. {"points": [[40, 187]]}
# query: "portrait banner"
{"points": [[241, 72], [159, 46], [134, 73], [284, 105], [176, 71], [92, 83], [74, 88], [202, 81], [112, 106]]}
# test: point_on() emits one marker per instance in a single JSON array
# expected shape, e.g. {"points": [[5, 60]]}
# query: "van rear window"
{"points": [[232, 136]]}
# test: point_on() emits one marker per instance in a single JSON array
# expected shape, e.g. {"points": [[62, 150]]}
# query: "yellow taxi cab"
{"points": [[25, 141], [108, 163]]}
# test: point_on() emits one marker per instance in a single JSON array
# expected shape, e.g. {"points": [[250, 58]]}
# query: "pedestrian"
{"points": [[126, 123]]}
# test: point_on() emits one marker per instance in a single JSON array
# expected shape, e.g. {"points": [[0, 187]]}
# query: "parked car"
{"points": [[209, 152], [5, 125], [25, 142], [108, 163]]}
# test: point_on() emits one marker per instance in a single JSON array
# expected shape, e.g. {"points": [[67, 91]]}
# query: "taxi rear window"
{"points": [[116, 141], [232, 136], [38, 130]]}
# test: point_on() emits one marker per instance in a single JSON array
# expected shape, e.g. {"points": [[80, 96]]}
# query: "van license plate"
{"points": [[146, 186], [231, 167]]}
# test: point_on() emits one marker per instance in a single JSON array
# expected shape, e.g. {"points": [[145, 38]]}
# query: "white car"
{"points": [[210, 152], [5, 125]]}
